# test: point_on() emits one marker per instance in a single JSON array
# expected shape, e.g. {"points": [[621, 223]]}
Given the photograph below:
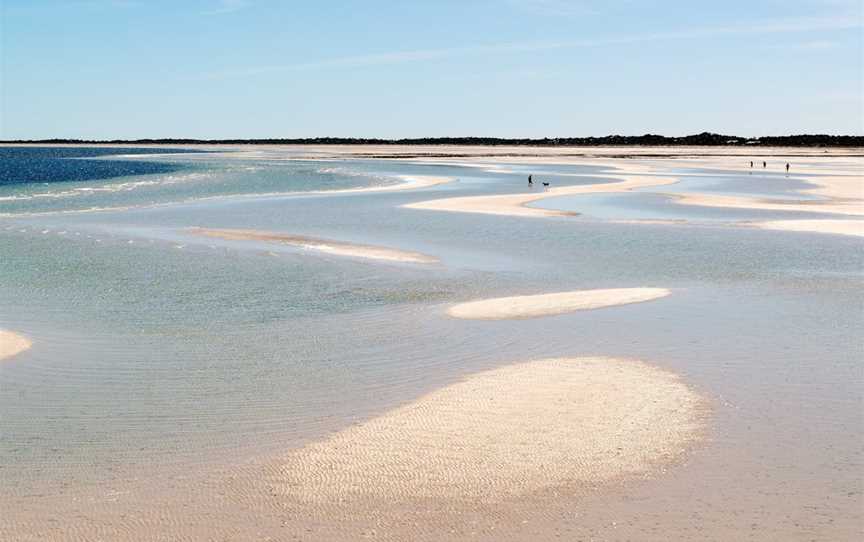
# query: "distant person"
{"points": [[764, 164], [751, 164], [787, 168], [530, 180]]}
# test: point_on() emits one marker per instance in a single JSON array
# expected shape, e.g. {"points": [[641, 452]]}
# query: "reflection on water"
{"points": [[160, 348]]}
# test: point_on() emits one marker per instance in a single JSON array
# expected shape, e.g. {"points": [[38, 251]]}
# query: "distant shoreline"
{"points": [[703, 139]]}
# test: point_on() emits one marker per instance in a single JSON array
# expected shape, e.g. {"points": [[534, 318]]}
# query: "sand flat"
{"points": [[533, 306], [515, 204], [828, 206], [518, 436], [12, 344], [413, 182], [845, 186], [837, 227], [327, 246], [409, 182], [505, 433]]}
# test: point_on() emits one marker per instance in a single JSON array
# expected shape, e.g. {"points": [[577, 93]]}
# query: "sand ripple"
{"points": [[512, 436], [504, 433], [532, 306]]}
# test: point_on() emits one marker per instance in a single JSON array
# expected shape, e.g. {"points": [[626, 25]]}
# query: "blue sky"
{"points": [[507, 68]]}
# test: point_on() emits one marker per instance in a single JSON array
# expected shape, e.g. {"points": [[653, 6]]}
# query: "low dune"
{"points": [[516, 204], [533, 306], [328, 246], [12, 344], [837, 227], [504, 433]]}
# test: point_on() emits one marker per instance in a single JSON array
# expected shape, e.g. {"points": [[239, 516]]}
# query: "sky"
{"points": [[105, 69]]}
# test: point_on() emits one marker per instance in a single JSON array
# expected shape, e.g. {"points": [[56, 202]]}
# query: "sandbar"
{"points": [[328, 246], [505, 433], [515, 204], [533, 306], [12, 344], [838, 227], [411, 182], [846, 186], [828, 206]]}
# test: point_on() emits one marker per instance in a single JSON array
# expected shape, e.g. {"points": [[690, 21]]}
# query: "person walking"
{"points": [[530, 180], [764, 164], [787, 168], [751, 164]]}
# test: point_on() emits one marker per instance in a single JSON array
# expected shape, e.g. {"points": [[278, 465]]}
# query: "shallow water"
{"points": [[158, 349], [661, 206]]}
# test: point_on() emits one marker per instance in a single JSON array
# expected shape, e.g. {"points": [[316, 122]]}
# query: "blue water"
{"points": [[46, 180], [26, 165]]}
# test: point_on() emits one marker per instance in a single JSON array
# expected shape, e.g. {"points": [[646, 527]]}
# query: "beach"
{"points": [[394, 342], [511, 271]]}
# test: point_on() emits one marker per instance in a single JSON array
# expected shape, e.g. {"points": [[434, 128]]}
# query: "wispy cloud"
{"points": [[228, 6], [814, 46], [556, 7], [808, 24]]}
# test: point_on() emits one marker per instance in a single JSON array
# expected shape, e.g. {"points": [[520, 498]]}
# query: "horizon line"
{"points": [[702, 138]]}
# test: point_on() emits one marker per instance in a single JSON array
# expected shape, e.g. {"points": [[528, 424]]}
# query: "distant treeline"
{"points": [[705, 138]]}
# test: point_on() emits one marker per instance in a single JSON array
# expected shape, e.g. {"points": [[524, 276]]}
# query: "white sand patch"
{"points": [[847, 186], [505, 433], [12, 344], [532, 306], [838, 227], [336, 248], [413, 182], [515, 204], [841, 207]]}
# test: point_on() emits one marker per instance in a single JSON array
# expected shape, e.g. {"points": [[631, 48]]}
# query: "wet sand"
{"points": [[327, 246], [533, 306], [12, 344], [484, 444]]}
